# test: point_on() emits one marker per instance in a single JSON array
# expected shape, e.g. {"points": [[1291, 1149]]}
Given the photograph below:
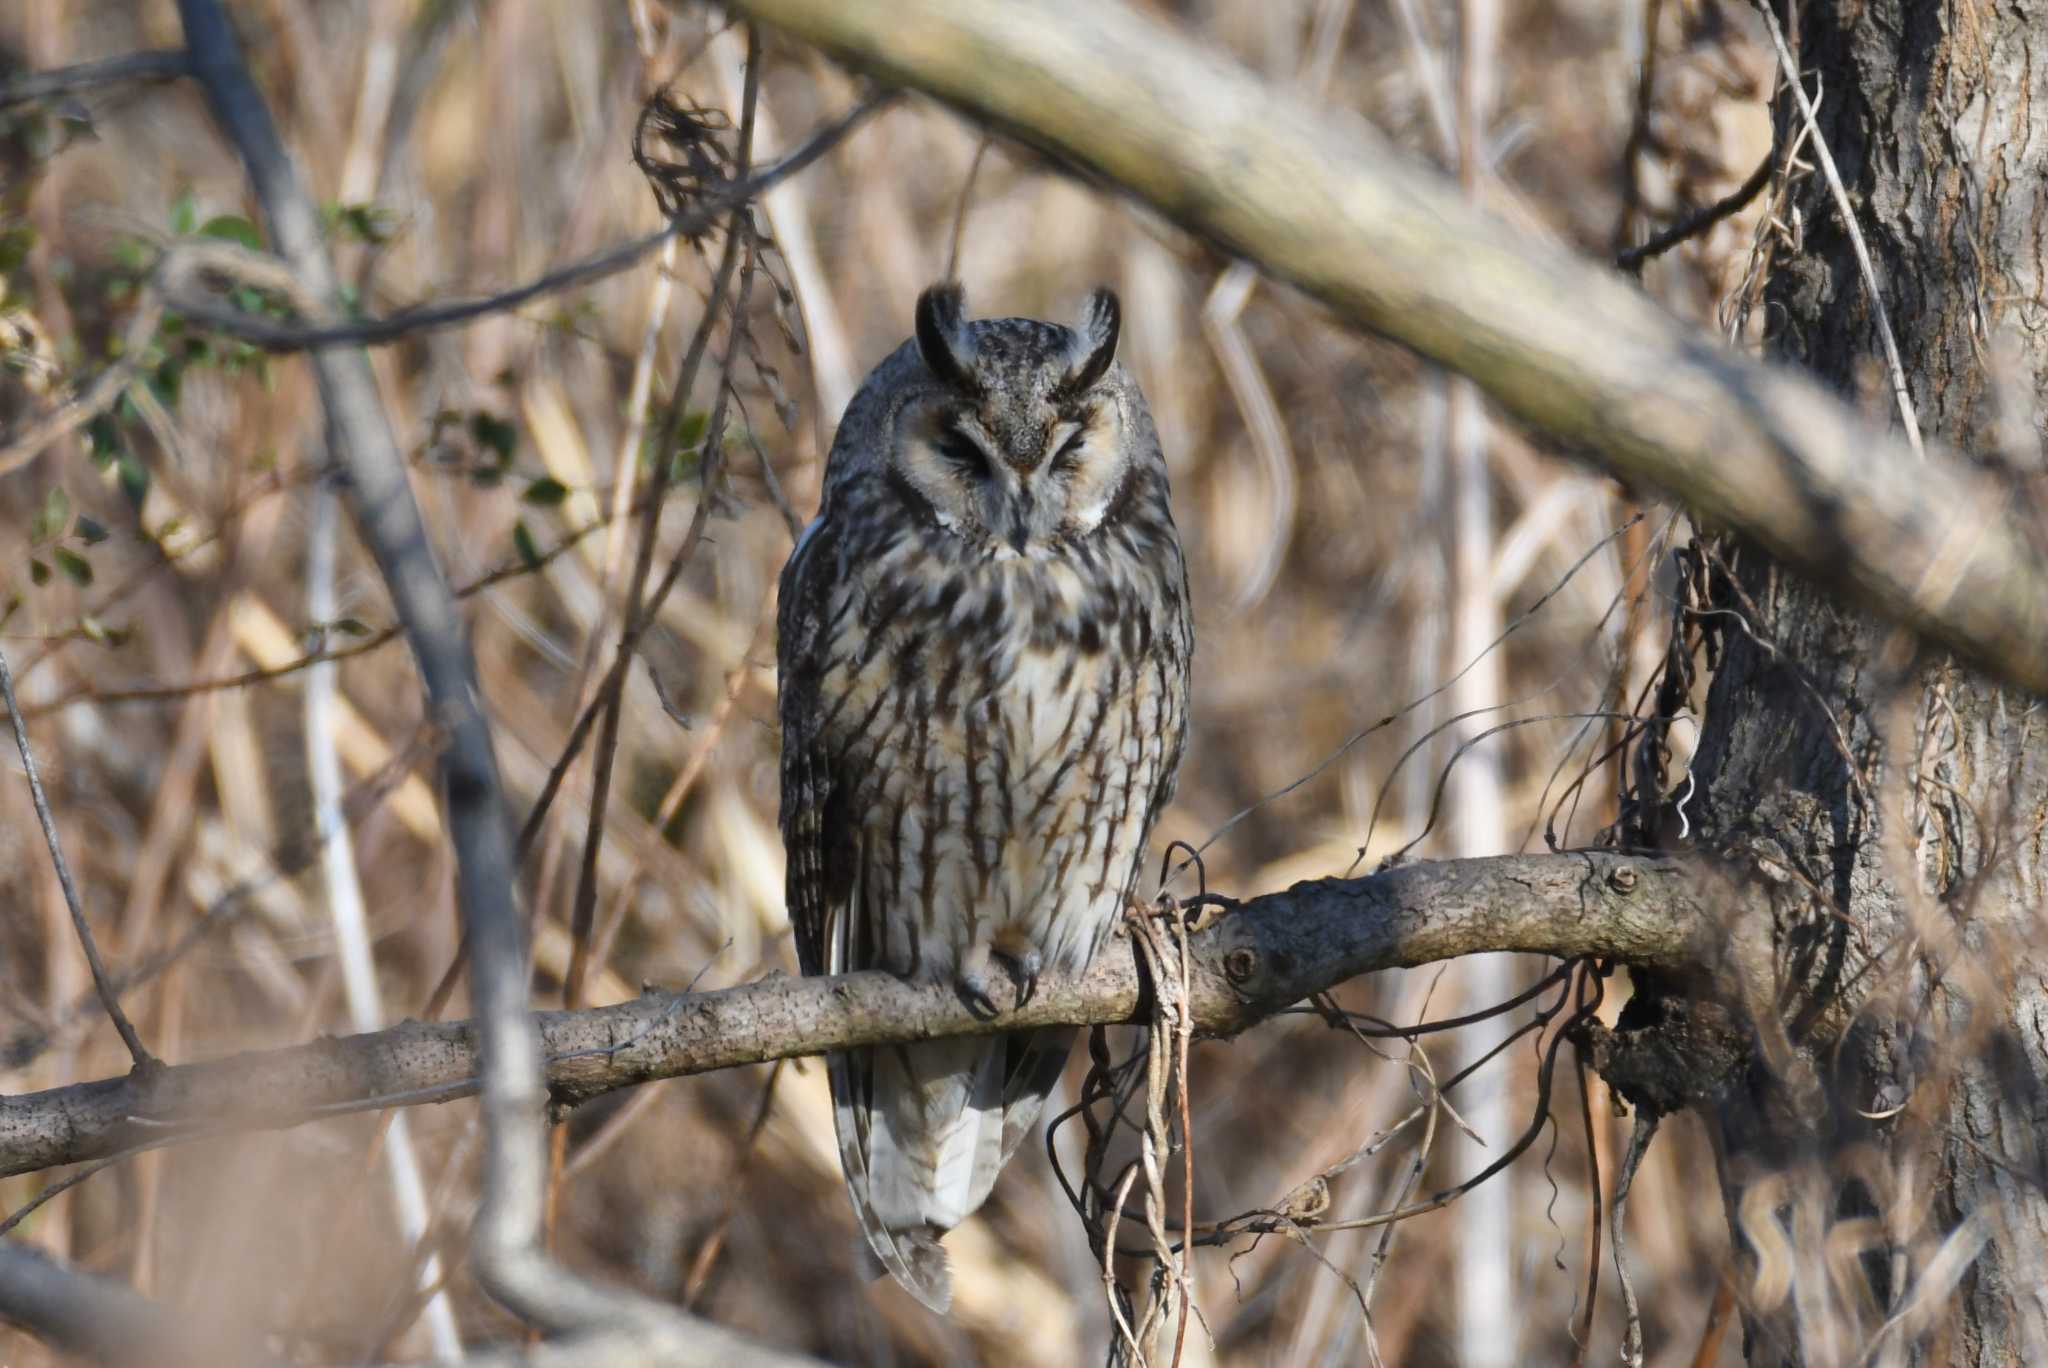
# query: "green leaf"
{"points": [[52, 519], [38, 572], [90, 530], [134, 478], [233, 228], [546, 492], [102, 440], [371, 223], [350, 627], [690, 431], [495, 433], [184, 213], [73, 564], [523, 543], [15, 243]]}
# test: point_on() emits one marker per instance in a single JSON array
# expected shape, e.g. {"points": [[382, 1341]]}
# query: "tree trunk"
{"points": [[1893, 1111]]}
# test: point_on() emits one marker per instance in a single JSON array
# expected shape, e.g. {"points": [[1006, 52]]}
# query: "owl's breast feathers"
{"points": [[988, 738]]}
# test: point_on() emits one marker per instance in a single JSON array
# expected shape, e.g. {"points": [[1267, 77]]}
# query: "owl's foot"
{"points": [[972, 985], [1023, 967], [1021, 961]]}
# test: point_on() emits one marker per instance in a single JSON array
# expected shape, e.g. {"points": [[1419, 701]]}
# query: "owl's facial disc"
{"points": [[1087, 466], [1021, 443]]}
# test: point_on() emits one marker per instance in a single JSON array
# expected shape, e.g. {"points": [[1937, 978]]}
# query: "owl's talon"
{"points": [[1023, 971], [973, 989]]}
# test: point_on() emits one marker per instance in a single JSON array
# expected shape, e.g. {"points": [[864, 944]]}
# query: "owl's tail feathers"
{"points": [[921, 1139]]}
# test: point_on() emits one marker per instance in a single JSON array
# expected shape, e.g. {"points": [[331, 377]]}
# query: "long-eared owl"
{"points": [[984, 645]]}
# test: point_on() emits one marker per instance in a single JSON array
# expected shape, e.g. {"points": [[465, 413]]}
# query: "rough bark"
{"points": [[1894, 1109]]}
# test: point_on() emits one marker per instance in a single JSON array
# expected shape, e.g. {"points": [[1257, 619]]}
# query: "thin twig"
{"points": [[1638, 1145], [960, 208], [345, 901], [1834, 178], [163, 64], [281, 337], [1631, 259], [384, 636], [639, 614], [144, 1060]]}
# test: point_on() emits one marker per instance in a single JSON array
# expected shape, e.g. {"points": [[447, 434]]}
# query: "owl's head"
{"points": [[1015, 434]]}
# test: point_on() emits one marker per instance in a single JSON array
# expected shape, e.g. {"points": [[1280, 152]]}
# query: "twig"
{"points": [[383, 636], [345, 903], [1638, 1145], [144, 1060], [282, 337], [1834, 178], [1716, 1329], [63, 1185], [98, 394], [1639, 135], [738, 244], [1631, 259], [287, 859], [960, 207], [1581, 1066], [156, 65], [508, 1260]]}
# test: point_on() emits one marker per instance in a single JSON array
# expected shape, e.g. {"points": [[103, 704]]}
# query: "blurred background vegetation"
{"points": [[462, 146]]}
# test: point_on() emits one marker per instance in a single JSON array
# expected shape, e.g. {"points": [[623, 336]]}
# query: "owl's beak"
{"points": [[1022, 508]]}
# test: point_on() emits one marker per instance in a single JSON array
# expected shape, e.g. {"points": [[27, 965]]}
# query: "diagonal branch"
{"points": [[1562, 343], [698, 219], [109, 999], [507, 1255], [1259, 959]]}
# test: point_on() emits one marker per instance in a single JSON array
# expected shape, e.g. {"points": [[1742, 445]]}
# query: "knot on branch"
{"points": [[1668, 1052]]}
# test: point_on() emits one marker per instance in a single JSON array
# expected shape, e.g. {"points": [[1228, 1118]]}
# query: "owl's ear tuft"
{"points": [[942, 336], [1094, 341]]}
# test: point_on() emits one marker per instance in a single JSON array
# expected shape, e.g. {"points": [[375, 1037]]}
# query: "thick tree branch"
{"points": [[1258, 959], [104, 1320], [1561, 342]]}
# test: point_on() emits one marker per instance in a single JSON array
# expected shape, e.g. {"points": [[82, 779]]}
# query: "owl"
{"points": [[984, 641]]}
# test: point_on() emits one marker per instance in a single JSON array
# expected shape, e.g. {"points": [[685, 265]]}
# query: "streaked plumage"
{"points": [[984, 647]]}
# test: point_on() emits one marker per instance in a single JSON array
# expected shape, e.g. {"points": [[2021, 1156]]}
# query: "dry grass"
{"points": [[515, 157]]}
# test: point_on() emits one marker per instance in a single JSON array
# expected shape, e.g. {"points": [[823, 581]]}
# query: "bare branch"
{"points": [[1263, 957], [109, 999], [100, 1318], [1564, 344], [285, 337], [508, 1257], [1631, 259], [158, 65]]}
